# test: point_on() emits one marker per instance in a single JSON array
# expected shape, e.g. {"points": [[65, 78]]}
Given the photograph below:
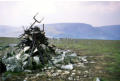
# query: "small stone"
{"points": [[45, 68], [25, 57], [30, 38], [49, 67], [80, 65], [83, 59], [97, 79], [92, 62], [26, 48], [35, 50], [38, 74], [79, 72], [74, 60], [49, 74], [55, 74], [28, 71], [70, 78], [86, 72], [52, 71], [18, 56], [69, 67], [59, 71], [73, 70], [85, 75], [36, 59], [73, 55], [25, 64], [49, 79], [77, 77], [73, 74], [25, 79], [66, 72]]}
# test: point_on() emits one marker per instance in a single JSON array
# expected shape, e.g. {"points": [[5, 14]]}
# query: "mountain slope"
{"points": [[9, 31], [84, 31], [111, 32], [70, 30]]}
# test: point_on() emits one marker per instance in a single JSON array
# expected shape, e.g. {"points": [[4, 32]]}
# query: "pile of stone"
{"points": [[36, 45], [33, 52]]}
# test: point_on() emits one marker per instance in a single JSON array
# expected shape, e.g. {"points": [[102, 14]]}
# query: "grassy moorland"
{"points": [[106, 54], [7, 40]]}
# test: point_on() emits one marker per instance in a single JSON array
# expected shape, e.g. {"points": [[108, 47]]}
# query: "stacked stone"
{"points": [[36, 48], [34, 52]]}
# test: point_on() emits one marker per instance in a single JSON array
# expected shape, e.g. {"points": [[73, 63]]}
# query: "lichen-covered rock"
{"points": [[37, 60], [12, 64], [26, 48], [25, 57], [25, 64]]}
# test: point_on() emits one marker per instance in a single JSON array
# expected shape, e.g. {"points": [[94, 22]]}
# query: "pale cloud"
{"points": [[96, 13], [103, 7]]}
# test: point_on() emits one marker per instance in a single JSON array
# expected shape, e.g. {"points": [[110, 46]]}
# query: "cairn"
{"points": [[35, 43], [34, 50]]}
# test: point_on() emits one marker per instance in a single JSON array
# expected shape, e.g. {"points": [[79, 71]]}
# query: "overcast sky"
{"points": [[19, 13]]}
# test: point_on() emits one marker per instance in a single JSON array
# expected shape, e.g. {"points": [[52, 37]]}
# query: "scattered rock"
{"points": [[38, 74], [52, 71], [66, 72], [97, 79], [26, 48], [73, 70], [18, 56], [35, 50], [86, 72], [49, 74], [69, 67], [92, 62], [73, 55], [70, 78], [37, 60], [49, 67], [85, 76], [59, 71], [80, 65], [84, 58], [28, 71], [25, 79], [72, 74], [58, 59], [25, 64], [55, 74], [25, 57], [12, 64]]}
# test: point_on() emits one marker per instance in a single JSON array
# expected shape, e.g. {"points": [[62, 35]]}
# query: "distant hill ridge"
{"points": [[71, 30]]}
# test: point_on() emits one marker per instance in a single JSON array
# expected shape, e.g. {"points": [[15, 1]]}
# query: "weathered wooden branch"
{"points": [[35, 20]]}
